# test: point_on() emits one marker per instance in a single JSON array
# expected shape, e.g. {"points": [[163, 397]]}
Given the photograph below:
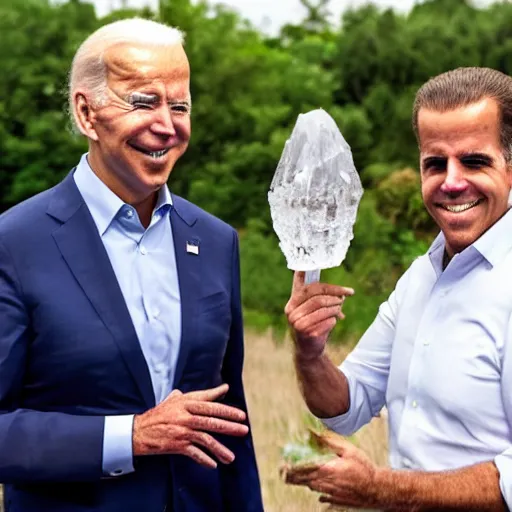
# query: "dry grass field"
{"points": [[278, 415]]}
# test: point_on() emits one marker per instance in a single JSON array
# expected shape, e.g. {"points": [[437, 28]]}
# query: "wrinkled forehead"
{"points": [[136, 65]]}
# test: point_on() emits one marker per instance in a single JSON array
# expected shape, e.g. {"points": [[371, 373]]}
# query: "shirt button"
{"points": [[156, 313], [426, 342], [129, 213], [143, 250], [414, 404]]}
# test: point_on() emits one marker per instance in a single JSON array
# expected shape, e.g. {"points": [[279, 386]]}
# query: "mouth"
{"points": [[153, 154], [459, 208]]}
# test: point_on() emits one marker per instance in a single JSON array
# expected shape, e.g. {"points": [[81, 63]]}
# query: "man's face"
{"points": [[464, 175], [144, 126]]}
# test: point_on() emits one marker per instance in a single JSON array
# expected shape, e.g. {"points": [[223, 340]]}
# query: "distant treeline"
{"points": [[247, 91]]}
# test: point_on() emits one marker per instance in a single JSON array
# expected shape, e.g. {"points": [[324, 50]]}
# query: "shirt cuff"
{"points": [[118, 445], [503, 462], [364, 400], [344, 423]]}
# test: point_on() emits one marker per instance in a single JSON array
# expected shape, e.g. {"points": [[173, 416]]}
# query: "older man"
{"points": [[439, 353], [121, 341]]}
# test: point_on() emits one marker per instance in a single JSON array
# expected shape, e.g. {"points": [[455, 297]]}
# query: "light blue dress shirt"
{"points": [[439, 356], [145, 266]]}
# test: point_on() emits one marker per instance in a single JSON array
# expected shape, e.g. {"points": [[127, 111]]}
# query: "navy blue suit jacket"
{"points": [[69, 355]]}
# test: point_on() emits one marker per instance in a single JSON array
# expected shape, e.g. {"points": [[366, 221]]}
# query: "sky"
{"points": [[270, 15]]}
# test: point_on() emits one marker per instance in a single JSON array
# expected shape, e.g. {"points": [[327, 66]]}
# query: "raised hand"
{"points": [[182, 424], [312, 313]]}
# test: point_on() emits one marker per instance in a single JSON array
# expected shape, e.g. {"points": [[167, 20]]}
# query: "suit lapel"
{"points": [[188, 266], [81, 247]]}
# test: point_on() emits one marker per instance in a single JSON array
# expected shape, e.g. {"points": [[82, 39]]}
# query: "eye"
{"points": [[475, 162], [434, 164], [142, 105], [180, 108]]}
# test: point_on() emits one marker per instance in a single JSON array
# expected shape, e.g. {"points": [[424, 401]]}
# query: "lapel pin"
{"points": [[193, 247]]}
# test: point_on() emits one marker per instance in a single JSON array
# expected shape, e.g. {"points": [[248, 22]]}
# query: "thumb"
{"points": [[175, 393], [332, 441], [299, 278], [209, 395]]}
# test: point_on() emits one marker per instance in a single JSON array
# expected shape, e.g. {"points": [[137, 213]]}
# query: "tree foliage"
{"points": [[247, 91]]}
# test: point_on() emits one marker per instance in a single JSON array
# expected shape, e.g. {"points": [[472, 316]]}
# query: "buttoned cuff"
{"points": [[344, 424], [118, 445]]}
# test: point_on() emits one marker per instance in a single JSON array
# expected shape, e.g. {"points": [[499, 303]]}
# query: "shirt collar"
{"points": [[493, 245], [496, 242], [101, 201]]}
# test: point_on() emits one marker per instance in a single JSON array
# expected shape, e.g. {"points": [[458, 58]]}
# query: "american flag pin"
{"points": [[193, 248]]}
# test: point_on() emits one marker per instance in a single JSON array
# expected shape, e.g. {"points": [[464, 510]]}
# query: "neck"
{"points": [[144, 204], [446, 258], [145, 209]]}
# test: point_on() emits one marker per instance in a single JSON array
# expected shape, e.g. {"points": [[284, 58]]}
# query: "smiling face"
{"points": [[465, 178], [139, 132]]}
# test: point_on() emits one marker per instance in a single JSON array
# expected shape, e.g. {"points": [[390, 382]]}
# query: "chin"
{"points": [[460, 243]]}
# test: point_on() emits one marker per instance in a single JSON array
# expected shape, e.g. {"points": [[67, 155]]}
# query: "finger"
{"points": [[307, 328], [301, 295], [217, 426], [297, 296], [326, 498], [175, 393], [340, 315], [334, 442], [337, 499], [316, 304], [299, 278], [216, 410], [199, 456], [300, 475], [217, 449], [328, 289], [208, 395]]}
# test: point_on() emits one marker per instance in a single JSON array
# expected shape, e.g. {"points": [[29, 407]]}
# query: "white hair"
{"points": [[88, 68]]}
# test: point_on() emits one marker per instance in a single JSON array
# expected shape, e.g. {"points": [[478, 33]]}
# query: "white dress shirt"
{"points": [[439, 356], [145, 266]]}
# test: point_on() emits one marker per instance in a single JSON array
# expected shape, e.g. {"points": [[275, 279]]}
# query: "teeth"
{"points": [[158, 154], [457, 208]]}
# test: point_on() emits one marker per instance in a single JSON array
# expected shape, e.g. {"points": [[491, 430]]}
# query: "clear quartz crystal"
{"points": [[315, 194]]}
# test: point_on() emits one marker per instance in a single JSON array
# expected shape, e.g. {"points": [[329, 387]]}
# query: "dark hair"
{"points": [[464, 86]]}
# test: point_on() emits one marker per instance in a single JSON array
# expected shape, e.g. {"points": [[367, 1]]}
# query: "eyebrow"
{"points": [[141, 97], [179, 102]]}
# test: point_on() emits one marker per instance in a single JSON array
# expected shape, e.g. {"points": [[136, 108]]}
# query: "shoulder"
{"points": [[27, 216], [205, 221]]}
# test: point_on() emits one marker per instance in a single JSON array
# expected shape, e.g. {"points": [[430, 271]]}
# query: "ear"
{"points": [[85, 116]]}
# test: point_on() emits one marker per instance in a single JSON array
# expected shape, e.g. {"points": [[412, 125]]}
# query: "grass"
{"points": [[278, 416]]}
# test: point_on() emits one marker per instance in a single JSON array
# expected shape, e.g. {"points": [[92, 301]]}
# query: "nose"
{"points": [[163, 124], [455, 179]]}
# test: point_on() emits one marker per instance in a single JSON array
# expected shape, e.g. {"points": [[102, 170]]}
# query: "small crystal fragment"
{"points": [[315, 194]]}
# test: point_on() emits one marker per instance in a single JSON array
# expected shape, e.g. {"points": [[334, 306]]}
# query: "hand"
{"points": [[179, 425], [348, 480], [312, 313]]}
